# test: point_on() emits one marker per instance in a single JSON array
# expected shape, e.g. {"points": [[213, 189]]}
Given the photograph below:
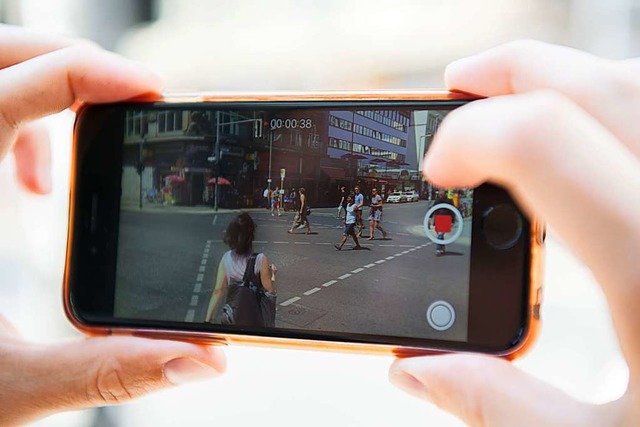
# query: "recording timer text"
{"points": [[275, 124]]}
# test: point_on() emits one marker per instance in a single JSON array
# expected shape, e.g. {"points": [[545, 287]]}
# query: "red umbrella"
{"points": [[396, 163], [221, 181], [379, 160], [352, 156]]}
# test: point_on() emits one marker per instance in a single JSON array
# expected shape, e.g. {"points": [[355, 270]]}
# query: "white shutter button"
{"points": [[441, 315]]}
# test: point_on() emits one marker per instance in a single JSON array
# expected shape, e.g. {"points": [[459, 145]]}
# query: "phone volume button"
{"points": [[540, 231]]}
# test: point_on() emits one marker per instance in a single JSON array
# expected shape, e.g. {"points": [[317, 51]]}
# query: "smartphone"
{"points": [[292, 219]]}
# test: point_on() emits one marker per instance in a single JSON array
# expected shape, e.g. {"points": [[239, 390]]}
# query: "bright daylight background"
{"points": [[305, 44]]}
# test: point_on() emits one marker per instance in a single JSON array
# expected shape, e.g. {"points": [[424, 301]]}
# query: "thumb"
{"points": [[95, 372], [487, 391]]}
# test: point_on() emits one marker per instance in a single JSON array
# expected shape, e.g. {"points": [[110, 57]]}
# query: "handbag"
{"points": [[248, 303]]}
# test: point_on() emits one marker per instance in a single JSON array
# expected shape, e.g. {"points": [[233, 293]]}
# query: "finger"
{"points": [[33, 158], [52, 82], [562, 165], [18, 44], [98, 372], [587, 80], [487, 391]]}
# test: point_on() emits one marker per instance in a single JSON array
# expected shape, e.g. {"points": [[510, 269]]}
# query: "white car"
{"points": [[396, 197], [411, 196]]}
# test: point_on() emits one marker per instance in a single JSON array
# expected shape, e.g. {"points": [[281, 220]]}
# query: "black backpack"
{"points": [[248, 303]]}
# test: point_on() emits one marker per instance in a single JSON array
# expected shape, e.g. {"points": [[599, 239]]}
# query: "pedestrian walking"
{"points": [[275, 202], [375, 214], [265, 196], [244, 292], [443, 220], [301, 218], [349, 225], [359, 205], [343, 202]]}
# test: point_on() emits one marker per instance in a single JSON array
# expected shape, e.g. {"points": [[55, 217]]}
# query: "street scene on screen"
{"points": [[188, 174]]}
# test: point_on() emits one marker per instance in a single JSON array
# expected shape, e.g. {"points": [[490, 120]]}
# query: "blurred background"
{"points": [[305, 44]]}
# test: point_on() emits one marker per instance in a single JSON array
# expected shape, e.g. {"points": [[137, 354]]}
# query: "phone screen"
{"points": [[356, 242]]}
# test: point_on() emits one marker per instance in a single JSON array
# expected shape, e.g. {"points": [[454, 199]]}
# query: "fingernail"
{"points": [[408, 383], [456, 69], [426, 165], [183, 370]]}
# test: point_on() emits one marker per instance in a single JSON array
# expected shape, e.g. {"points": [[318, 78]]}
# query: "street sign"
{"points": [[282, 173]]}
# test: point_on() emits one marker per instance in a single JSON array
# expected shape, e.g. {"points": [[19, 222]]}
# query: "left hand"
{"points": [[41, 75]]}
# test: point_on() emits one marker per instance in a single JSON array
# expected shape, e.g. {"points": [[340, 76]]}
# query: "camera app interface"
{"points": [[313, 220]]}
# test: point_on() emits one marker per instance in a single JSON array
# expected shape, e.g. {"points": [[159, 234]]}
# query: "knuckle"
{"points": [[107, 384], [518, 50], [527, 129]]}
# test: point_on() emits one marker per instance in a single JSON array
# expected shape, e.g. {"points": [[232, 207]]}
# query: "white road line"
{"points": [[390, 257], [200, 277], [202, 268], [197, 287], [215, 219], [412, 249], [194, 301], [290, 301], [281, 243], [260, 241], [405, 252], [344, 276], [402, 234], [405, 246], [323, 243], [398, 254], [380, 261], [388, 246], [190, 316], [302, 243], [209, 242], [329, 283], [370, 265], [312, 291], [204, 261], [366, 244], [357, 270]]}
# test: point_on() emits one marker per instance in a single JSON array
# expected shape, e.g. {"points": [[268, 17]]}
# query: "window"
{"points": [[134, 123], [169, 121], [390, 118]]}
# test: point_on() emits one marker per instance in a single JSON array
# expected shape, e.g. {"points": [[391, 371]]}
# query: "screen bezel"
{"points": [[499, 284]]}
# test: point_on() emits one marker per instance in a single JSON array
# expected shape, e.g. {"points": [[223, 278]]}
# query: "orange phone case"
{"points": [[536, 241]]}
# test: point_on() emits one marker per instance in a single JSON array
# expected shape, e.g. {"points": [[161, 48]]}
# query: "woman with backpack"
{"points": [[244, 292]]}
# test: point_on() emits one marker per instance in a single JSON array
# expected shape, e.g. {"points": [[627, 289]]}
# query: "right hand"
{"points": [[41, 75], [560, 131]]}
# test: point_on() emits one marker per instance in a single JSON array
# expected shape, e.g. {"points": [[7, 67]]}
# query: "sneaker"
{"points": [[337, 247]]}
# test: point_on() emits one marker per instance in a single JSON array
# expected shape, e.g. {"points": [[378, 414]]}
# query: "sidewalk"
{"points": [[204, 210], [196, 210]]}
